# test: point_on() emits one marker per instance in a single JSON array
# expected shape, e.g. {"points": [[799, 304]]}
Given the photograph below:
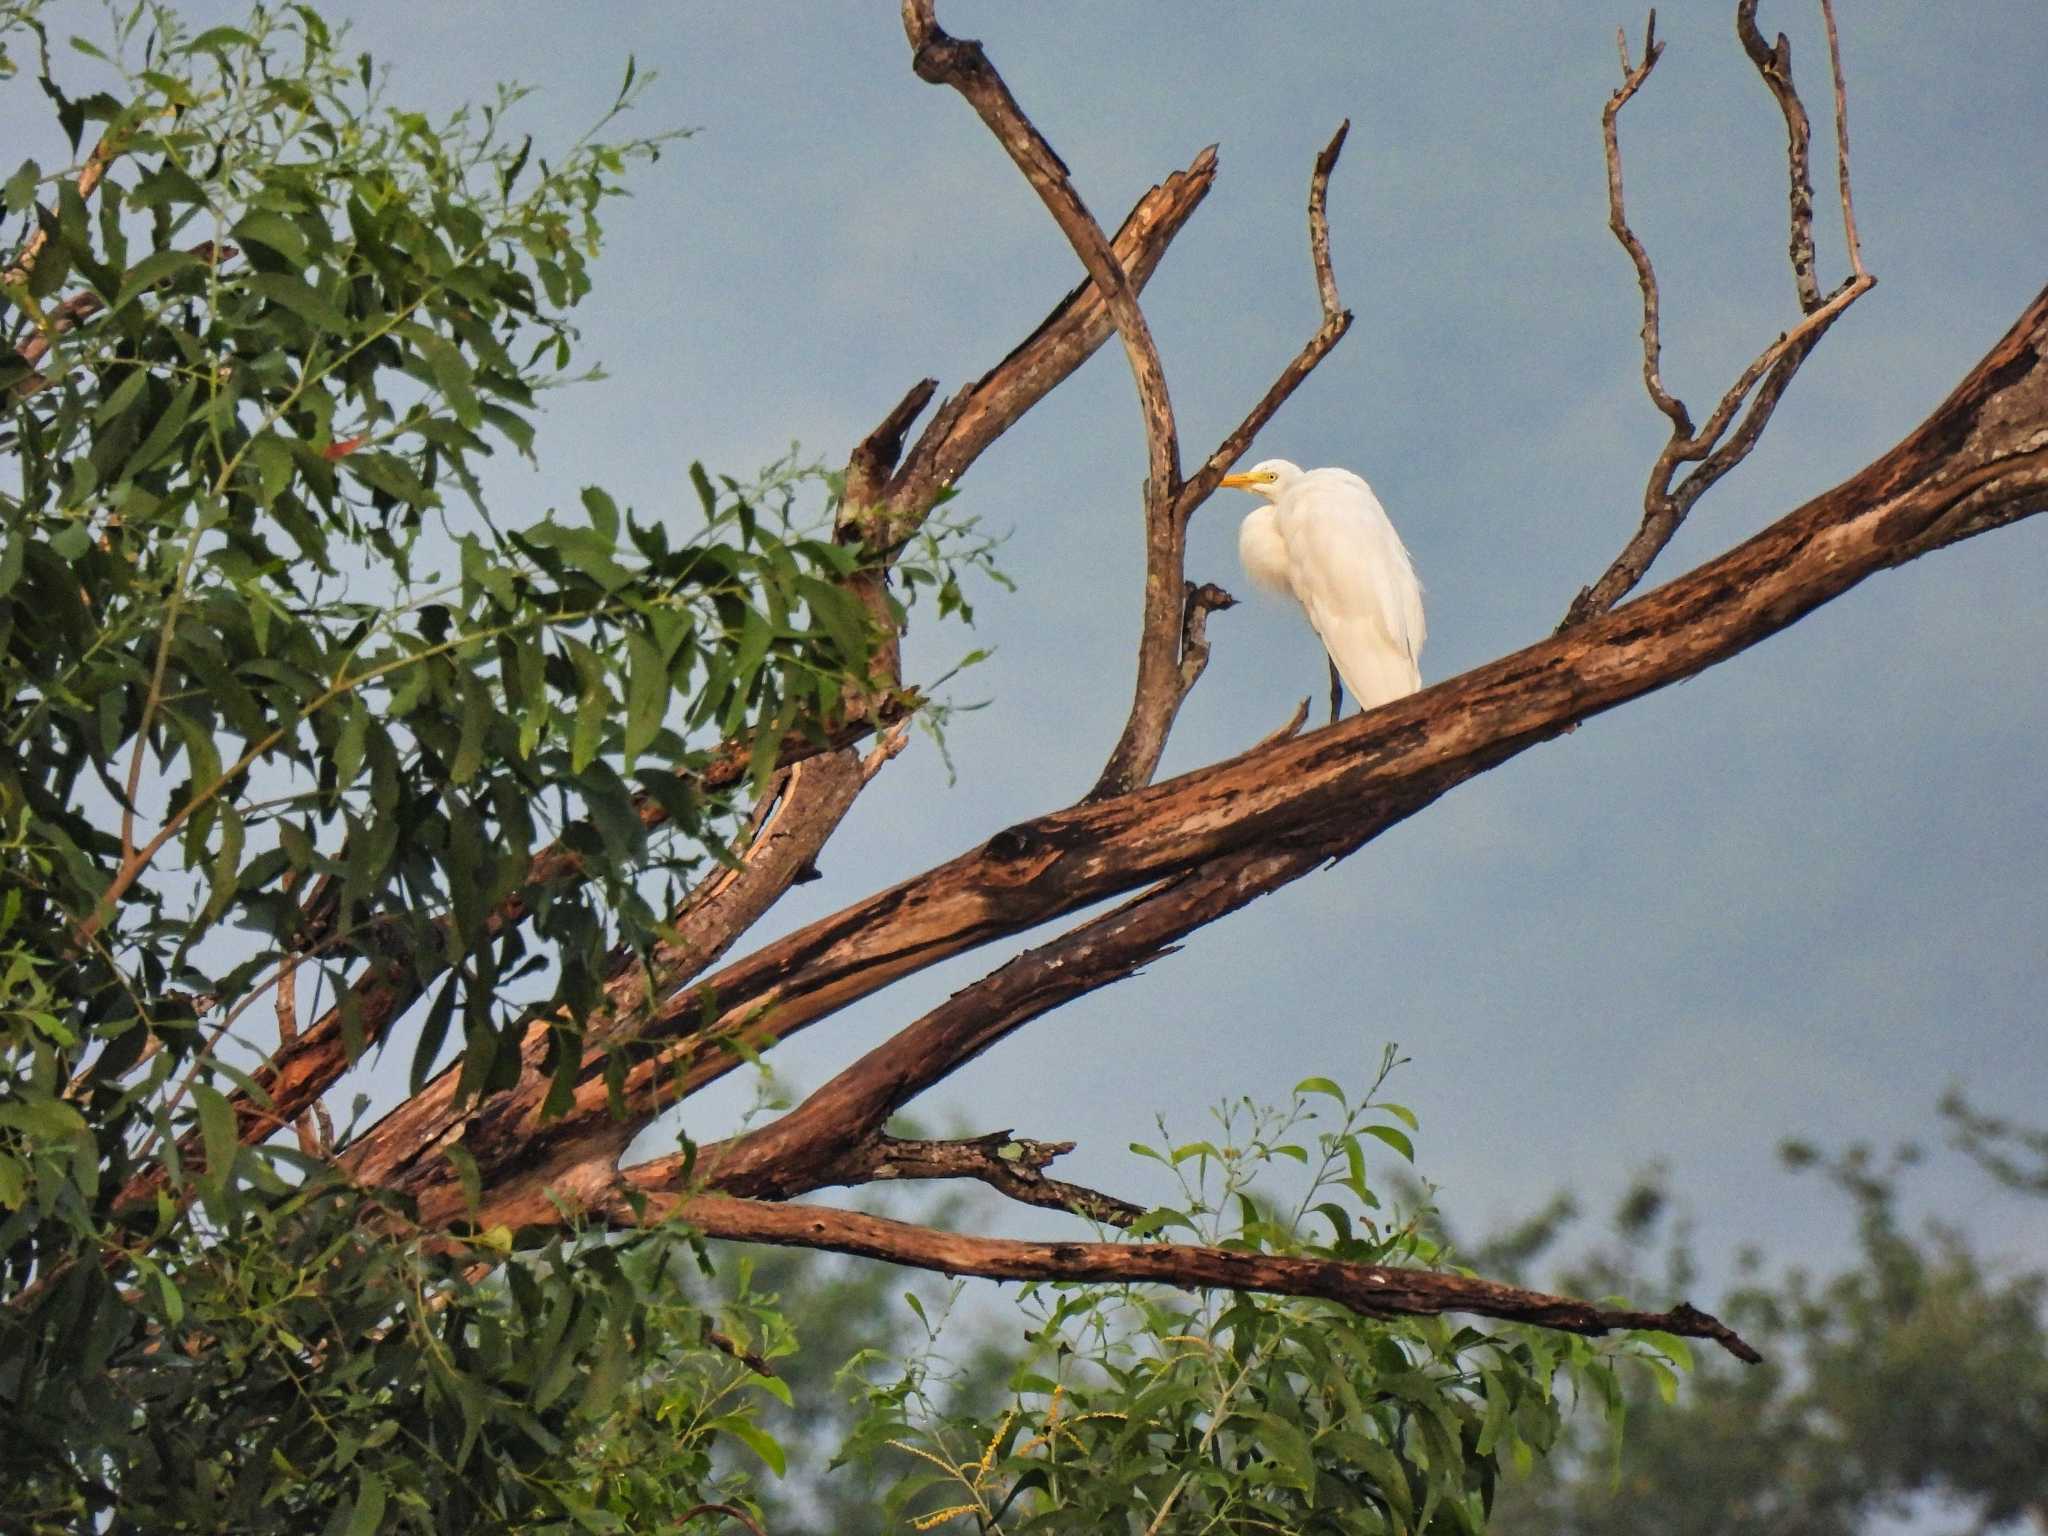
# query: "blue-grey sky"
{"points": [[1799, 894]]}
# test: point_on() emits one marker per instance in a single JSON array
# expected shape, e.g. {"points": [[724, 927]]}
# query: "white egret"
{"points": [[1325, 541]]}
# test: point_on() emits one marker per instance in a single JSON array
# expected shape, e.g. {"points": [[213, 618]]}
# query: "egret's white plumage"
{"points": [[1325, 541]]}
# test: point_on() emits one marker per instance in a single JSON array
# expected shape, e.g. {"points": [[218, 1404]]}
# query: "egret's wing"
{"points": [[1264, 552], [1356, 581]]}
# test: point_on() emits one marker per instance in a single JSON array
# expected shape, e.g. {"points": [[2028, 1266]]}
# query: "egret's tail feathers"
{"points": [[1372, 670]]}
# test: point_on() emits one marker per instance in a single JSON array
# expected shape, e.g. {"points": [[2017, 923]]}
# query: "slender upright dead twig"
{"points": [[1160, 694], [1730, 432]]}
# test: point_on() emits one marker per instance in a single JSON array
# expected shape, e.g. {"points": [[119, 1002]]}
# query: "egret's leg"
{"points": [[1336, 693]]}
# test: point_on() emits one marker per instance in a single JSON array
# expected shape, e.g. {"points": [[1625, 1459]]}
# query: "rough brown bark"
{"points": [[1184, 852], [1979, 462]]}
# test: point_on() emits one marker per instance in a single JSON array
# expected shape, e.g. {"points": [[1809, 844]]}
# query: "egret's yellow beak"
{"points": [[1241, 482]]}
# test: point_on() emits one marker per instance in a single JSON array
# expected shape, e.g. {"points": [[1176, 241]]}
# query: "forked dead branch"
{"points": [[1713, 448], [1182, 853]]}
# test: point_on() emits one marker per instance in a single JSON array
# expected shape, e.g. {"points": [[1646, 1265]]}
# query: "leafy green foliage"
{"points": [[284, 697], [1146, 1409], [289, 1368]]}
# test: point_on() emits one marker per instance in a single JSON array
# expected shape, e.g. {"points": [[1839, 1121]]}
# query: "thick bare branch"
{"points": [[786, 1158], [1979, 462], [1373, 1289]]}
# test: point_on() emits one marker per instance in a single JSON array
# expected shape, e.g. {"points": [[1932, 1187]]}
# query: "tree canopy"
{"points": [[318, 754]]}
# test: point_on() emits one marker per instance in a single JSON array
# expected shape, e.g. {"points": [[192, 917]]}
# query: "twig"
{"points": [[1617, 221], [1197, 603], [1010, 1165], [1319, 220], [1774, 65], [1855, 244], [1336, 321], [1288, 731], [314, 1130], [726, 1344], [892, 742]]}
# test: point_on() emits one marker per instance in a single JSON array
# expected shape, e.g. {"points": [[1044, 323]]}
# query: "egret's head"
{"points": [[1268, 479]]}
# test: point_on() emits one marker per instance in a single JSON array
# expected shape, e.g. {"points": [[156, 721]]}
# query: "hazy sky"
{"points": [[1800, 894]]}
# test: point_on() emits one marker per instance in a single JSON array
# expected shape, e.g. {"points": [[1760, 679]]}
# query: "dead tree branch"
{"points": [[1976, 464], [1849, 235], [968, 423], [1724, 441], [882, 515], [962, 63], [797, 1153], [1184, 852], [1376, 1290]]}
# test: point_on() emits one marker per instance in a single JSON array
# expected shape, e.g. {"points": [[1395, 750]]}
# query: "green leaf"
{"points": [[217, 1133], [274, 230], [220, 40], [1402, 1113], [368, 1518], [452, 374], [272, 461], [1398, 1140], [477, 714], [585, 549], [44, 1119], [593, 710], [1665, 1377], [755, 1439], [604, 513], [468, 1172], [646, 694], [301, 299], [1321, 1085], [163, 434], [435, 1030], [19, 194], [841, 616]]}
